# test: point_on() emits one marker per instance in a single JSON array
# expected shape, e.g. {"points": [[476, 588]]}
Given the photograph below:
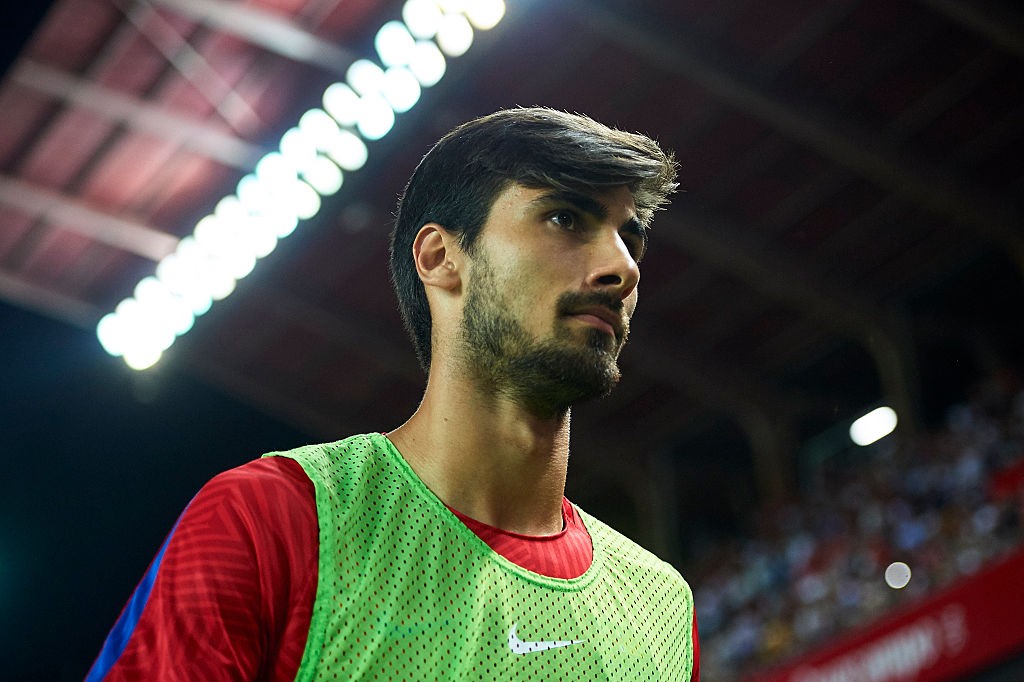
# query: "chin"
{"points": [[579, 379]]}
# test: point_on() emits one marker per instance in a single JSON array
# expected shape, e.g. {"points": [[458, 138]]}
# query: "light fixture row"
{"points": [[287, 185]]}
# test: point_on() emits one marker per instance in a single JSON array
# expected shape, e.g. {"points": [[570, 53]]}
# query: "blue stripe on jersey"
{"points": [[122, 631]]}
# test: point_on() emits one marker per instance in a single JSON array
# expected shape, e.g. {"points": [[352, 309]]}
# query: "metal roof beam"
{"points": [[781, 277], [999, 25], [76, 215], [48, 302], [143, 116], [265, 29], [192, 64], [762, 413], [343, 328], [933, 189]]}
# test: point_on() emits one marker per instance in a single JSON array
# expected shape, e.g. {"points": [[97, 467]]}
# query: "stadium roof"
{"points": [[850, 220]]}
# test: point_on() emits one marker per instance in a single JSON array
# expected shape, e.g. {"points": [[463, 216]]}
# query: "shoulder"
{"points": [[261, 473], [265, 506], [343, 470], [630, 557], [656, 585], [352, 451], [233, 583], [267, 483]]}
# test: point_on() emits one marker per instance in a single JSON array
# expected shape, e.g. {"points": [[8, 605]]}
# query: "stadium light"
{"points": [[287, 185], [394, 44], [455, 35], [897, 575], [876, 424]]}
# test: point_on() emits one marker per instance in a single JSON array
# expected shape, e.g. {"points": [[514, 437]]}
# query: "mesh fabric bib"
{"points": [[407, 592]]}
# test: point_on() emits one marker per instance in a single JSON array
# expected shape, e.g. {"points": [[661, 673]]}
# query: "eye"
{"points": [[636, 245], [565, 219]]}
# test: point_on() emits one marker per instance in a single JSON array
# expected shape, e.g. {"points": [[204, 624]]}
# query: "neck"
{"points": [[487, 456]]}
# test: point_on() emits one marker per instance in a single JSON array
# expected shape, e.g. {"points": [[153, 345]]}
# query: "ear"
{"points": [[437, 256]]}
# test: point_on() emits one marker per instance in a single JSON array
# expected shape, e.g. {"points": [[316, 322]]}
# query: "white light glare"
{"points": [[485, 14], [375, 117], [423, 17], [278, 186], [394, 44], [342, 103], [897, 575], [111, 333], [173, 312], [455, 35], [347, 150], [307, 201], [874, 425], [139, 334], [141, 357], [263, 211], [453, 6], [206, 275], [286, 186], [275, 172], [323, 176], [254, 235], [401, 89], [181, 278], [298, 148], [427, 64], [365, 77], [318, 126]]}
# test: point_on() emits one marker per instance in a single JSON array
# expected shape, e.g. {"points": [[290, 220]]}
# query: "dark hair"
{"points": [[457, 181]]}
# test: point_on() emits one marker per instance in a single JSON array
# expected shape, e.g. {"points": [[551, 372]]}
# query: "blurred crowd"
{"points": [[945, 503]]}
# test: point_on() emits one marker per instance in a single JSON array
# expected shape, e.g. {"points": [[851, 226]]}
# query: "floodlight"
{"points": [[428, 64], [876, 424], [323, 176], [365, 77], [401, 89], [347, 150], [455, 35], [342, 103], [485, 14], [286, 185], [394, 44], [423, 17], [376, 117]]}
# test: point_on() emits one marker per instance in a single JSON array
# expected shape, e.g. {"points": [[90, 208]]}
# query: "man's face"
{"points": [[552, 285]]}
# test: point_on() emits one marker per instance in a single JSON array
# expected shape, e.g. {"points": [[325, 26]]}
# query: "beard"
{"points": [[546, 376]]}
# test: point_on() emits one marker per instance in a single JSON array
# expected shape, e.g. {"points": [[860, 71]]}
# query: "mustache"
{"points": [[572, 301]]}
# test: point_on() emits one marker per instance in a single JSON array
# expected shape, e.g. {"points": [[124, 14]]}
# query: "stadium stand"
{"points": [[949, 504]]}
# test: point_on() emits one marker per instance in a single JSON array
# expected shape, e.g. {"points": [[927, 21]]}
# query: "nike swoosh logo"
{"points": [[518, 646]]}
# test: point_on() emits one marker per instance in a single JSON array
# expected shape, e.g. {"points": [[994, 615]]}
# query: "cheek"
{"points": [[630, 302], [540, 274], [543, 277]]}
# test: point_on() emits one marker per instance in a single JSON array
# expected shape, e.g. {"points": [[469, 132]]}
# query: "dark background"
{"points": [[95, 453]]}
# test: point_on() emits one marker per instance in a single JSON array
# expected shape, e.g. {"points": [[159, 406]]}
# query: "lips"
{"points": [[601, 318]]}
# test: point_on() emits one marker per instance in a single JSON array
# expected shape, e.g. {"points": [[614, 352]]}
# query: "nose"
{"points": [[613, 267]]}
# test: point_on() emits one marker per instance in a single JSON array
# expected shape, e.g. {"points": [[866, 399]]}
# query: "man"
{"points": [[445, 549]]}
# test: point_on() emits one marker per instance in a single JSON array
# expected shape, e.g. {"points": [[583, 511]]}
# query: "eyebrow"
{"points": [[634, 226], [578, 200], [588, 204]]}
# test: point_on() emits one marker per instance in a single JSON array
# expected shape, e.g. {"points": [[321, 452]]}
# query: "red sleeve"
{"points": [[695, 674], [229, 595]]}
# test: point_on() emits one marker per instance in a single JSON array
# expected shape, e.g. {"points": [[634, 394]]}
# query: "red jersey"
{"points": [[230, 593]]}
